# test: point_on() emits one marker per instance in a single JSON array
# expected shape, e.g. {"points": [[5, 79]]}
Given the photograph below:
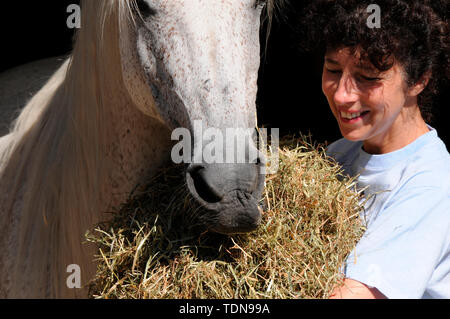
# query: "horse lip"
{"points": [[215, 212], [214, 206], [238, 221], [236, 231]]}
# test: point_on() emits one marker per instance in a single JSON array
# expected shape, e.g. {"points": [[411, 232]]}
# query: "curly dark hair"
{"points": [[414, 32]]}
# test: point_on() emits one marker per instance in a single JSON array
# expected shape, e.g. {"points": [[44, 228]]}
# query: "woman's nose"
{"points": [[346, 92]]}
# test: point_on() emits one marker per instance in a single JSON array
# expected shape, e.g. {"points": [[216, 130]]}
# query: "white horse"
{"points": [[102, 125]]}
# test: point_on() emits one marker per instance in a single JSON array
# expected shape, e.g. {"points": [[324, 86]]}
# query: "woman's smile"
{"points": [[348, 117]]}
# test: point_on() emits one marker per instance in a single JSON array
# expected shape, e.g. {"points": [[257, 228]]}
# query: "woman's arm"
{"points": [[352, 289]]}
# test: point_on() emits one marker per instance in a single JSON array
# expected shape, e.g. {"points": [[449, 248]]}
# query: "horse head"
{"points": [[188, 62]]}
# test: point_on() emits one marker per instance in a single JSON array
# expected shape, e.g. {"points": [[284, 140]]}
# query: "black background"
{"points": [[289, 96]]}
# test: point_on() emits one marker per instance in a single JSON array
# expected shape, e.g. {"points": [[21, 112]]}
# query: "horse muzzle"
{"points": [[230, 194]]}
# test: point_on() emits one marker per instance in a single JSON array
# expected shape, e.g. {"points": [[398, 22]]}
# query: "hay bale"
{"points": [[156, 247]]}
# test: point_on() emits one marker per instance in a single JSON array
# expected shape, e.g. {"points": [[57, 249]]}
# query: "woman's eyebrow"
{"points": [[328, 60], [366, 67], [362, 66]]}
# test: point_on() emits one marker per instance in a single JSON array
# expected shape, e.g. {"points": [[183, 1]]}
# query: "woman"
{"points": [[379, 83]]}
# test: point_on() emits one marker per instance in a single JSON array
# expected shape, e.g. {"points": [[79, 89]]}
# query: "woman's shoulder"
{"points": [[431, 164]]}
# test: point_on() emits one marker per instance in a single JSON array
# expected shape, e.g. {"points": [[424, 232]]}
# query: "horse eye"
{"points": [[259, 3], [144, 8]]}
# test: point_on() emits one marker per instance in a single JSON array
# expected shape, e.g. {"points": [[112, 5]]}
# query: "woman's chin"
{"points": [[352, 135]]}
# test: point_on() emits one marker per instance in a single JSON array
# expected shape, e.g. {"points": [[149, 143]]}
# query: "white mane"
{"points": [[56, 150]]}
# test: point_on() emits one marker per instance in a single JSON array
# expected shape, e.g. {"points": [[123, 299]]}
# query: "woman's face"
{"points": [[377, 108]]}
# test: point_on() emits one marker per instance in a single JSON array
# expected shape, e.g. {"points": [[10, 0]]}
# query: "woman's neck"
{"points": [[408, 126]]}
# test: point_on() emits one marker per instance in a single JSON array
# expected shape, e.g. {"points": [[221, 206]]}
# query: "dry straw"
{"points": [[156, 247]]}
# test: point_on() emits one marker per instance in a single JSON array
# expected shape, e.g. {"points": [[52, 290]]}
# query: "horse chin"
{"points": [[237, 213]]}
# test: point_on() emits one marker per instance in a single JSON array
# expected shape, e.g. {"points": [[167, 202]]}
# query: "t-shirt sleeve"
{"points": [[404, 244]]}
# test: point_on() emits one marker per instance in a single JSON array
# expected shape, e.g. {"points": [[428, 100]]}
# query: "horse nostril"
{"points": [[203, 189]]}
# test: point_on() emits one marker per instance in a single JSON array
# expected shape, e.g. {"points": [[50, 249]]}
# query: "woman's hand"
{"points": [[352, 289]]}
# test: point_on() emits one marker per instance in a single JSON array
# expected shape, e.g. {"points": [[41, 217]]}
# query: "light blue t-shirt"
{"points": [[405, 251]]}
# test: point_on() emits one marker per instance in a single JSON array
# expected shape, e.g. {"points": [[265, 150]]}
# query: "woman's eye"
{"points": [[333, 71], [369, 79]]}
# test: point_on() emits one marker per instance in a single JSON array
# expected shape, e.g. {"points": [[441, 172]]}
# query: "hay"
{"points": [[155, 247]]}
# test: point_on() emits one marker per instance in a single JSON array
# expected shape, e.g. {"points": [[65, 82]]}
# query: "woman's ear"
{"points": [[420, 85]]}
